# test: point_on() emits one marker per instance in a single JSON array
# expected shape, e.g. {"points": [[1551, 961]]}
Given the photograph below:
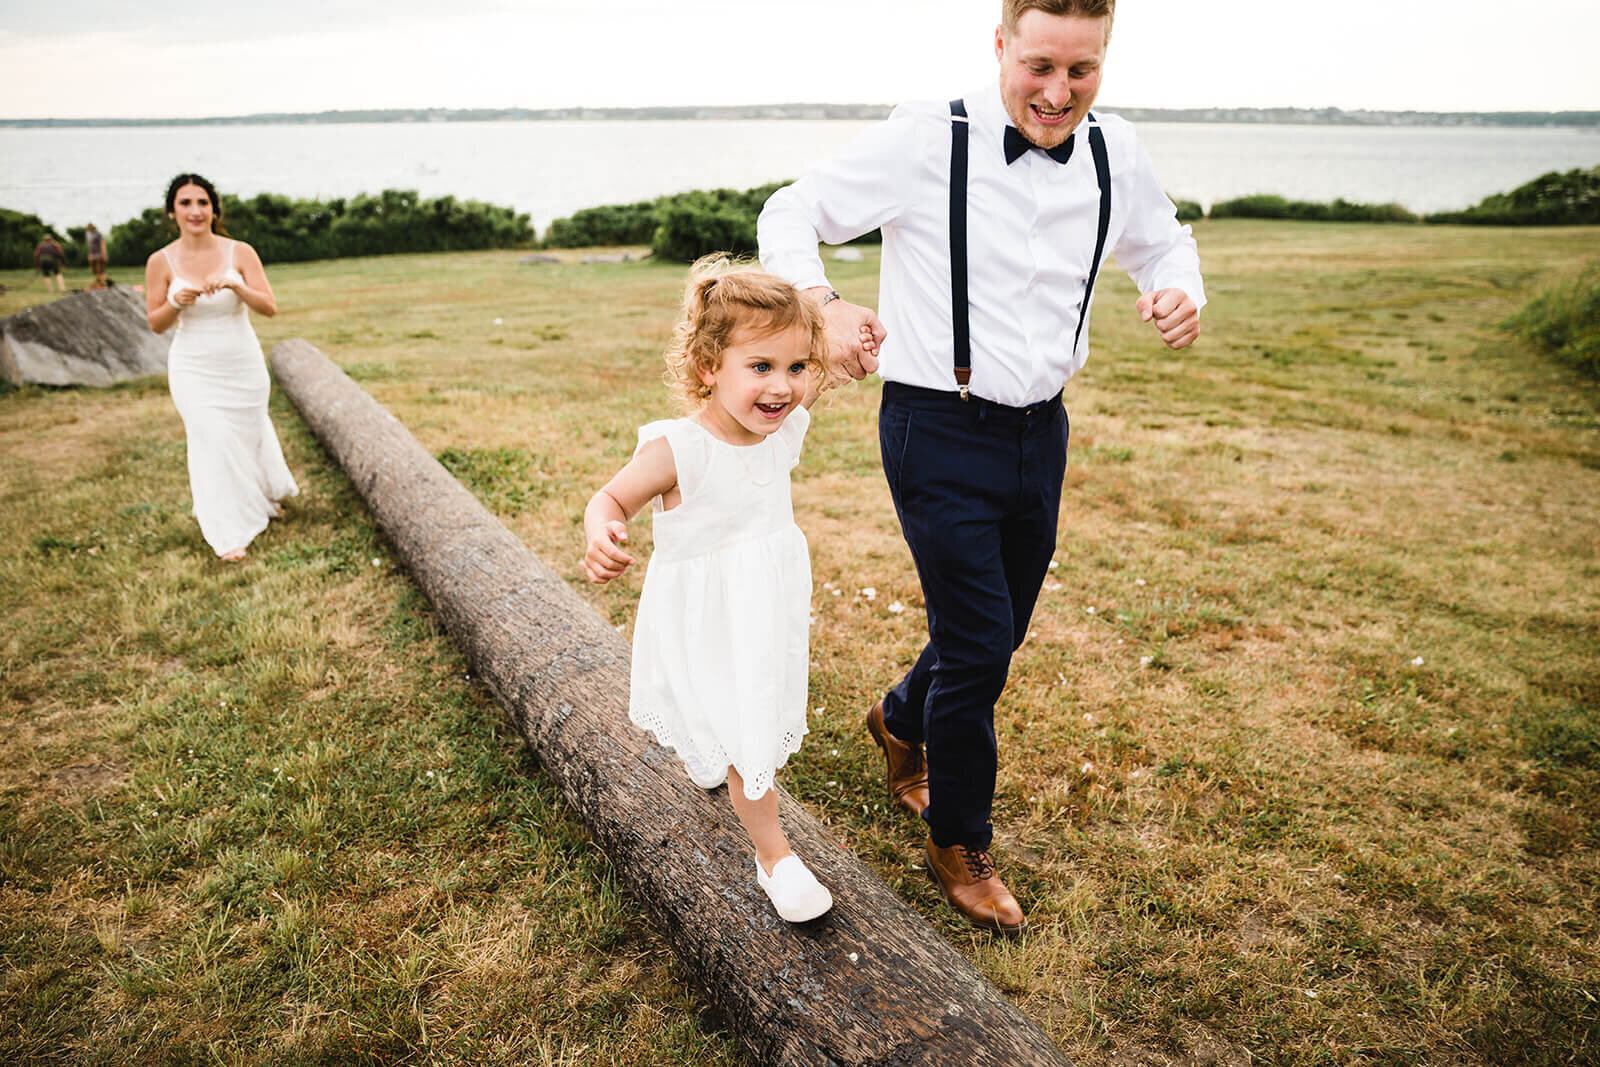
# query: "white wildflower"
{"points": [[1417, 662], [870, 593], [896, 608]]}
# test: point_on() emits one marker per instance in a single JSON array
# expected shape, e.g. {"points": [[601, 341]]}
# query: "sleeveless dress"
{"points": [[219, 385], [720, 653]]}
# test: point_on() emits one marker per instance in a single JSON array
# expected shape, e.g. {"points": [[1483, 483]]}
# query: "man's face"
{"points": [[1050, 72]]}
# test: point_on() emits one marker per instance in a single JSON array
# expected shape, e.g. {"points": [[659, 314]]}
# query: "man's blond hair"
{"points": [[1012, 10]]}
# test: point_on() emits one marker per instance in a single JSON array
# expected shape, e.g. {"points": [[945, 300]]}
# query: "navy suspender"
{"points": [[1102, 174], [958, 244], [959, 308]]}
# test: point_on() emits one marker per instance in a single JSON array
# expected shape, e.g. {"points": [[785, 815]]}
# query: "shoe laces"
{"points": [[978, 862]]}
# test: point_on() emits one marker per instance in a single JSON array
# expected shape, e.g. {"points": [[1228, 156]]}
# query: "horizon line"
{"points": [[679, 112]]}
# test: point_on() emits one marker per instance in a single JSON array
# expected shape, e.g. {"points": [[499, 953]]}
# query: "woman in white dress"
{"points": [[207, 284]]}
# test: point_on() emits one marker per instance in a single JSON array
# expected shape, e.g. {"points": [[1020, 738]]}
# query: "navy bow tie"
{"points": [[1016, 145]]}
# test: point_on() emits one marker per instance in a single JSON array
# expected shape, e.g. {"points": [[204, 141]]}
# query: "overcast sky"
{"points": [[113, 58]]}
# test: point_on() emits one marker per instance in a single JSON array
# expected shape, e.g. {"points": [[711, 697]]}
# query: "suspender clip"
{"points": [[963, 376], [962, 390]]}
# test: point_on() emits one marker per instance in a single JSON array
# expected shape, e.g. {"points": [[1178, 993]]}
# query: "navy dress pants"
{"points": [[977, 487]]}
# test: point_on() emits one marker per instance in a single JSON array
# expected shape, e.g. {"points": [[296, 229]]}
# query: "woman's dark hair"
{"points": [[194, 179]]}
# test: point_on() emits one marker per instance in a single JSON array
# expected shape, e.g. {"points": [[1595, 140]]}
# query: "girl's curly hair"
{"points": [[724, 296]]}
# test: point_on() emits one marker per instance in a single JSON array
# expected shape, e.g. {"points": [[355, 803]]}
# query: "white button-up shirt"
{"points": [[1031, 230]]}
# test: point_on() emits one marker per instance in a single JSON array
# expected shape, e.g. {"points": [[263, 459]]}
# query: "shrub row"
{"points": [[1554, 199], [1564, 322], [1262, 206], [284, 230], [679, 227]]}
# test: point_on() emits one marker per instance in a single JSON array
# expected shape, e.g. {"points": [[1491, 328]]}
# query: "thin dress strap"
{"points": [[231, 246]]}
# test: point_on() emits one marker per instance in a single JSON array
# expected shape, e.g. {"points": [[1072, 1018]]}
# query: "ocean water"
{"points": [[549, 169]]}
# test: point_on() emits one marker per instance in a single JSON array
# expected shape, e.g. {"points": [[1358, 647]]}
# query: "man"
{"points": [[49, 257], [972, 429], [95, 245]]}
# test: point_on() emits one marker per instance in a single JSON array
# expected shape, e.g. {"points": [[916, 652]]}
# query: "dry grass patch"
{"points": [[1298, 763]]}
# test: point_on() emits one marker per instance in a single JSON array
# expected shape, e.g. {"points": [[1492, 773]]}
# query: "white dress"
{"points": [[720, 653], [219, 385]]}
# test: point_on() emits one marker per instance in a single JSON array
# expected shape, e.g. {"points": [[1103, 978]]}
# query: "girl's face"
{"points": [[193, 209], [762, 379]]}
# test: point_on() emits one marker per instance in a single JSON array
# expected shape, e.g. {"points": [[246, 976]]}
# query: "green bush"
{"points": [[19, 233], [671, 224], [617, 224], [284, 230], [1189, 211], [1266, 206], [1554, 199], [689, 230], [1564, 322]]}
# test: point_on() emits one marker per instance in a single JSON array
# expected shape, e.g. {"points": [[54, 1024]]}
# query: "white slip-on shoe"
{"points": [[794, 891], [703, 776]]}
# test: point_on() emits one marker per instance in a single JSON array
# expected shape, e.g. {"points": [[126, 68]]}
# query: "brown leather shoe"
{"points": [[967, 877], [908, 770]]}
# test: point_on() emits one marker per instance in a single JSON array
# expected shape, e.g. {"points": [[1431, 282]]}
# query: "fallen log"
{"points": [[868, 983]]}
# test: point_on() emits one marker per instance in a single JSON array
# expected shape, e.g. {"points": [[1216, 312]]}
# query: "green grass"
{"points": [[1314, 782]]}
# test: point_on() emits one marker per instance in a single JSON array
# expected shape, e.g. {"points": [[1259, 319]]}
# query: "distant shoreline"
{"points": [[1282, 116]]}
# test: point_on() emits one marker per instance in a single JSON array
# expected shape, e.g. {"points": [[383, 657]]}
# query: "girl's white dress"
{"points": [[219, 385], [720, 652]]}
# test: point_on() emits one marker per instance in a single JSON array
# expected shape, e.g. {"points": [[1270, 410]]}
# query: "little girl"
{"points": [[720, 643]]}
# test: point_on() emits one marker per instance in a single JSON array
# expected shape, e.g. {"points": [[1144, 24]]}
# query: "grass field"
{"points": [[1299, 764]]}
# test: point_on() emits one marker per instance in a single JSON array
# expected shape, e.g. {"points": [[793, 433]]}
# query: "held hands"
{"points": [[854, 334], [1174, 314], [604, 560]]}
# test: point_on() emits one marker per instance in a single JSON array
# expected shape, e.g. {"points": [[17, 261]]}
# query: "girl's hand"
{"points": [[218, 282], [869, 340], [186, 296], [603, 560]]}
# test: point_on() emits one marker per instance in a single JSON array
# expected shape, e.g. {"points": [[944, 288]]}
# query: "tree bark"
{"points": [[868, 983]]}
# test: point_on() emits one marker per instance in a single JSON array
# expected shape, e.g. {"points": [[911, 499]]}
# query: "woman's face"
{"points": [[193, 209]]}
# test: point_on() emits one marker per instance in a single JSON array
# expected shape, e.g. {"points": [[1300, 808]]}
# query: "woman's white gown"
{"points": [[219, 385]]}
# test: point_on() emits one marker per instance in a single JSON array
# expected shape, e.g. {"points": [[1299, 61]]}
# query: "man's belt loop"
{"points": [[958, 245]]}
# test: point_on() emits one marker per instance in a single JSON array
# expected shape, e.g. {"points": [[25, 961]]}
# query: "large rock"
{"points": [[96, 337]]}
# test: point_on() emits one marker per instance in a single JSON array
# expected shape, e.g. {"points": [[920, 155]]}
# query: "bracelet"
{"points": [[833, 294], [174, 303]]}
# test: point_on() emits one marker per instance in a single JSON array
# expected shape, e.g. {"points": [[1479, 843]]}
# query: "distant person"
{"points": [[720, 645], [985, 287], [95, 245], [205, 282], [49, 257]]}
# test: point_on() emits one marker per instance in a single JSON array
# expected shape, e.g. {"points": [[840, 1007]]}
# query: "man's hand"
{"points": [[1176, 318], [854, 334]]}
